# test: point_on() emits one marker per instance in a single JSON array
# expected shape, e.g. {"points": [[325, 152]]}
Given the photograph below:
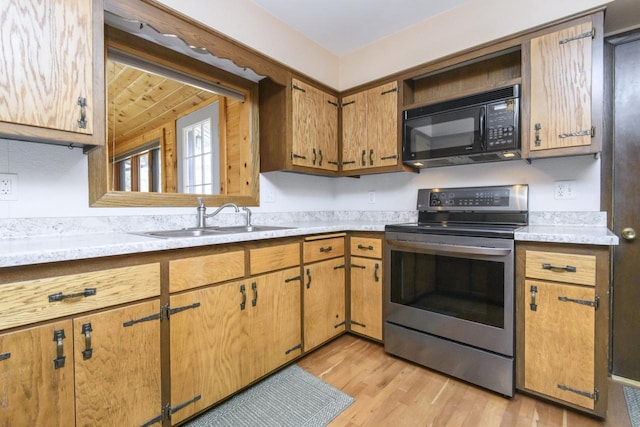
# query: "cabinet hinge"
{"points": [[586, 132], [298, 346], [156, 316], [347, 103], [164, 414], [5, 356], [335, 104], [395, 89], [395, 156], [339, 266], [337, 325], [595, 303], [593, 396], [297, 156], [358, 266], [353, 322], [591, 34], [291, 279], [183, 308], [294, 87], [174, 409]]}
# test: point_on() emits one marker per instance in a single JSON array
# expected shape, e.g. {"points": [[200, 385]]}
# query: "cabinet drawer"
{"points": [[42, 299], [274, 258], [561, 267], [317, 250], [366, 246], [192, 272]]}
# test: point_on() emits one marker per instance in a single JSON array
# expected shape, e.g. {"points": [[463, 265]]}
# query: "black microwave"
{"points": [[475, 129]]}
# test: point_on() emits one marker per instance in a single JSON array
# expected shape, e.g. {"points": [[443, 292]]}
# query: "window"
{"points": [[198, 151], [139, 170]]}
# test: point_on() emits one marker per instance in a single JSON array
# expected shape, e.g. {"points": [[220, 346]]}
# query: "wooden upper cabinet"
{"points": [[565, 79], [52, 71], [315, 127], [370, 128]]}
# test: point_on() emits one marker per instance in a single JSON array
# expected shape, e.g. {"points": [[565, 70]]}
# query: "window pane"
{"points": [[143, 173]]}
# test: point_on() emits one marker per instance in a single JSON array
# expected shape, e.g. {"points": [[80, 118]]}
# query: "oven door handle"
{"points": [[457, 249]]}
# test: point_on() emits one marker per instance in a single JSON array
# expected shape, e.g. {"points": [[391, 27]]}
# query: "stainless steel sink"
{"points": [[210, 231], [250, 228], [195, 232]]}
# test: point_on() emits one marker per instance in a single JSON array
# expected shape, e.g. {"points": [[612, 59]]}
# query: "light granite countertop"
{"points": [[57, 239]]}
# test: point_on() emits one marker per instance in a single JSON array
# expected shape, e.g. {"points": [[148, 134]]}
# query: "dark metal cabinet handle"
{"points": [[320, 154], [60, 296], [88, 350], [363, 161], [58, 336], [309, 278], [365, 248], [254, 301], [569, 268], [371, 157], [315, 156], [532, 305], [327, 249], [243, 304], [375, 272], [82, 121]]}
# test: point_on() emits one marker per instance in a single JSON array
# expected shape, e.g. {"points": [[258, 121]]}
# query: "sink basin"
{"points": [[250, 228], [195, 232], [213, 231]]}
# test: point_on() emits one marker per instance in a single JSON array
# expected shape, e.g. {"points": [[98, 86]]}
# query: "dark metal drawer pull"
{"points": [[60, 296], [327, 249], [375, 272], [569, 268], [363, 247], [88, 351], [58, 336], [532, 305], [254, 301], [243, 304]]}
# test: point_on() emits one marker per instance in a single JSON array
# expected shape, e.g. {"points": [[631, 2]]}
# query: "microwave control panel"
{"points": [[502, 125]]}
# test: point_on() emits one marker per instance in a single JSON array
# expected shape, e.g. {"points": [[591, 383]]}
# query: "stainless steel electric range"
{"points": [[449, 283]]}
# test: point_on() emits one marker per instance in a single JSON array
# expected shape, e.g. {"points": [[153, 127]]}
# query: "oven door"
{"points": [[452, 133], [454, 287]]}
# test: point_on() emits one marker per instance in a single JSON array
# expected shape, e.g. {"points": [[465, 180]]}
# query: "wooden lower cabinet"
{"points": [[224, 337], [117, 366], [324, 301], [115, 369], [562, 312], [30, 377], [366, 297]]}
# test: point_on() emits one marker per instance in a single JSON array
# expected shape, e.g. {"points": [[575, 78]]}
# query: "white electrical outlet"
{"points": [[372, 197], [564, 190], [8, 186]]}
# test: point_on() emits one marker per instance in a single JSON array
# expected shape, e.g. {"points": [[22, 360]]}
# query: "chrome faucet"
{"points": [[248, 212], [203, 215]]}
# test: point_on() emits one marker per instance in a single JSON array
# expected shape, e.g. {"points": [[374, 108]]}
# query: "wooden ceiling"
{"points": [[139, 101]]}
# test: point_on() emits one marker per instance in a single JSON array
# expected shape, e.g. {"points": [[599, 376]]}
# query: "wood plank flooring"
{"points": [[390, 391]]}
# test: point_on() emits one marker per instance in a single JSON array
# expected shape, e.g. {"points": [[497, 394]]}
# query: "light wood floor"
{"points": [[390, 391]]}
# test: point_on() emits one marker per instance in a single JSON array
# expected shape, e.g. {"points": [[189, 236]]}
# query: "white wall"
{"points": [[53, 180]]}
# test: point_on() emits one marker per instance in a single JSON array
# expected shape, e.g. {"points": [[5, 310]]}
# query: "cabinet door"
{"points": [[117, 366], [382, 125], [366, 297], [324, 301], [559, 341], [46, 63], [315, 123], [274, 328], [207, 339], [561, 89], [354, 131], [35, 390]]}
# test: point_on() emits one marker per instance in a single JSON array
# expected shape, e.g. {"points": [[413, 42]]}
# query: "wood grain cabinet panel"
{"points": [[34, 390], [274, 257], [370, 128], [44, 299], [51, 75], [366, 247], [117, 366], [192, 272], [366, 296], [324, 301], [318, 250], [565, 89]]}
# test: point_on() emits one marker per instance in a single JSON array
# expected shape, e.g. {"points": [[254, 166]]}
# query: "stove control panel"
{"points": [[499, 198]]}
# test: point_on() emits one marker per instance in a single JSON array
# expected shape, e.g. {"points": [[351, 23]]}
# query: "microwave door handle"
{"points": [[482, 120], [448, 248]]}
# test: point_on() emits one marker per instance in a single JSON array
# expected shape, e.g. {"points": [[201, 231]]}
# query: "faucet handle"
{"points": [[200, 202], [248, 212]]}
